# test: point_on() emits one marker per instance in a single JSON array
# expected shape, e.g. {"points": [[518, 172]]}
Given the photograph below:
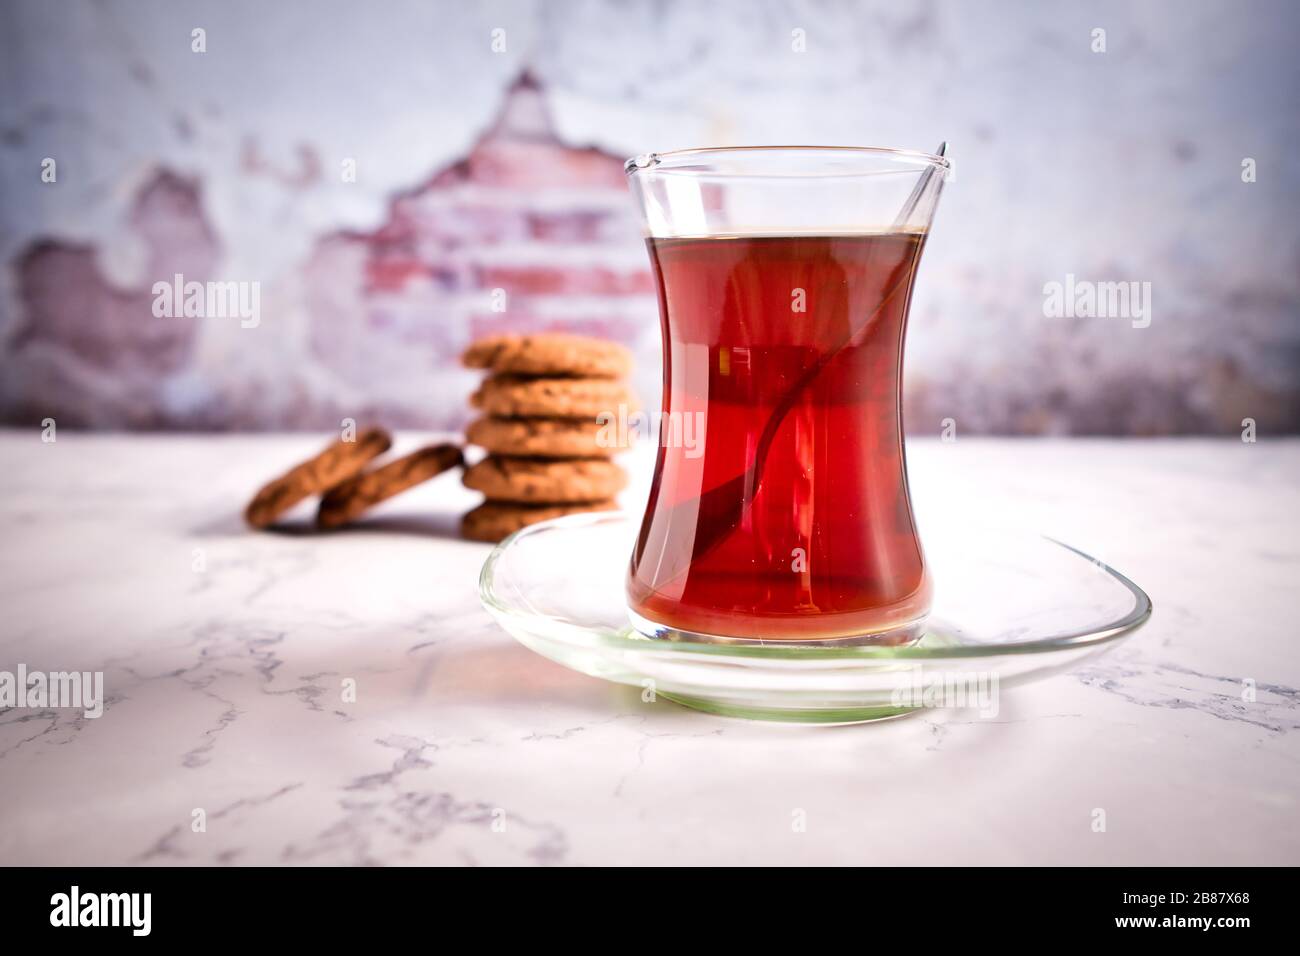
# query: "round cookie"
{"points": [[537, 480], [337, 463], [550, 353], [494, 520], [517, 397], [546, 437], [348, 500]]}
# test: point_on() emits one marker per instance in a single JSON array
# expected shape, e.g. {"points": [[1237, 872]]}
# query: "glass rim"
{"points": [[668, 163]]}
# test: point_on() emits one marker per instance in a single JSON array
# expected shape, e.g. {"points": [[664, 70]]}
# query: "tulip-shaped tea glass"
{"points": [[780, 509]]}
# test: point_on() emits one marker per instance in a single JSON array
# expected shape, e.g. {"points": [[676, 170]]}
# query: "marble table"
{"points": [[228, 659]]}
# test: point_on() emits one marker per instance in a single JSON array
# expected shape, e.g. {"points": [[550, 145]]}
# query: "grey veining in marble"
{"points": [[228, 658]]}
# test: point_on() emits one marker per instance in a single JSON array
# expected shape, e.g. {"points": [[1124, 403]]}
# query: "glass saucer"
{"points": [[1010, 607]]}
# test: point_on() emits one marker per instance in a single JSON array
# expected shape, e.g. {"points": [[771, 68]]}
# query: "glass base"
{"points": [[1012, 608], [899, 636], [792, 715]]}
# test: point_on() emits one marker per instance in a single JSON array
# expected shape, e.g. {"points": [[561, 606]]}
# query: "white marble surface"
{"points": [[224, 685]]}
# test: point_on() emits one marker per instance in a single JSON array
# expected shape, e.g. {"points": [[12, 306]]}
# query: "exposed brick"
{"points": [[578, 226], [391, 274], [564, 280], [543, 166], [485, 324], [69, 305], [386, 311]]}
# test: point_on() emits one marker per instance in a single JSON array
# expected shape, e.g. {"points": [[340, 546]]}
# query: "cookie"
{"points": [[539, 480], [494, 520], [517, 397], [337, 463], [549, 354], [546, 437], [348, 500]]}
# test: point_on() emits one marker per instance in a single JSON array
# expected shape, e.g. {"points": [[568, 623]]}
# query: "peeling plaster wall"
{"points": [[1123, 165]]}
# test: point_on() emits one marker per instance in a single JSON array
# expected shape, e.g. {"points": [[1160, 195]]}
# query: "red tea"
{"points": [[805, 532]]}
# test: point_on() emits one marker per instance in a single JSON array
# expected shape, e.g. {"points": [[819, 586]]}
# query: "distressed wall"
{"points": [[478, 169]]}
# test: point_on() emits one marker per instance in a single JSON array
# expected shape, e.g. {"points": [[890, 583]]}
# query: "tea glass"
{"points": [[780, 508]]}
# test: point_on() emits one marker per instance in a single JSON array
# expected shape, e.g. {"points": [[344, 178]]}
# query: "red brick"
{"points": [[390, 275], [575, 226], [543, 165], [564, 280], [517, 321]]}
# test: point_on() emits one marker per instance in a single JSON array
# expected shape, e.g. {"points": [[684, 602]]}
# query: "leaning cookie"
{"points": [[547, 437], [346, 501], [550, 353], [516, 397], [494, 520], [535, 480], [339, 462]]}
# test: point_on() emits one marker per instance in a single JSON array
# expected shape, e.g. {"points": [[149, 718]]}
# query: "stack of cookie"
{"points": [[551, 406]]}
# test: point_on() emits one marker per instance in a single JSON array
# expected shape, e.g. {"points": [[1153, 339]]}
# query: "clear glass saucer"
{"points": [[1010, 607]]}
